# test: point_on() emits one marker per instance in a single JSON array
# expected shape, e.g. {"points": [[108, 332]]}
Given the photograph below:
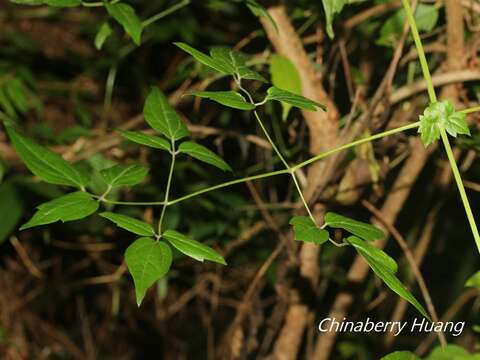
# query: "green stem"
{"points": [[167, 190], [274, 147], [164, 13], [420, 50], [299, 190], [355, 143], [229, 183], [461, 188], [470, 110]]}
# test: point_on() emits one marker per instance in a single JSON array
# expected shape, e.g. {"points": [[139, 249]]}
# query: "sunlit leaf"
{"points": [[385, 267], [120, 175], [73, 206], [147, 261], [131, 224], [201, 153], [361, 229], [306, 230], [193, 248], [44, 163], [160, 115], [228, 98], [152, 141], [275, 93]]}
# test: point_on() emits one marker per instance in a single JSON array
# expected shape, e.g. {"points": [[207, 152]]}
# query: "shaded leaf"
{"points": [[131, 224], [11, 210], [125, 15], [160, 115], [361, 229], [275, 93], [474, 280], [147, 261], [73, 206], [382, 266], [192, 248], [63, 3], [306, 230], [119, 175], [259, 11], [44, 163], [103, 33], [228, 98], [401, 355], [285, 76], [205, 59], [201, 153], [15, 90], [152, 141], [332, 8]]}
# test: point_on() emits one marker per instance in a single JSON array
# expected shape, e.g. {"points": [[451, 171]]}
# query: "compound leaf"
{"points": [[306, 230], [44, 163], [275, 93], [125, 15], [385, 267], [231, 99], [160, 115], [130, 224], [192, 248], [358, 228], [201, 153], [147, 261], [73, 206], [152, 141], [119, 175]]}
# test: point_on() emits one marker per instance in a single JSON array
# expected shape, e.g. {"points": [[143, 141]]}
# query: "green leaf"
{"points": [[275, 93], [160, 115], [236, 62], [15, 90], [103, 33], [380, 256], [332, 8], [27, 2], [449, 352], [361, 229], [215, 64], [152, 141], [11, 209], [228, 98], [63, 3], [285, 76], [130, 224], [73, 206], [192, 248], [474, 280], [401, 355], [306, 230], [44, 163], [120, 175], [201, 153], [438, 115], [426, 17], [259, 11], [147, 261], [385, 267], [125, 15]]}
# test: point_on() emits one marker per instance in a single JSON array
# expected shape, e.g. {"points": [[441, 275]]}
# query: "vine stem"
{"points": [[470, 110], [164, 13], [167, 190], [461, 188], [268, 174], [443, 133]]}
